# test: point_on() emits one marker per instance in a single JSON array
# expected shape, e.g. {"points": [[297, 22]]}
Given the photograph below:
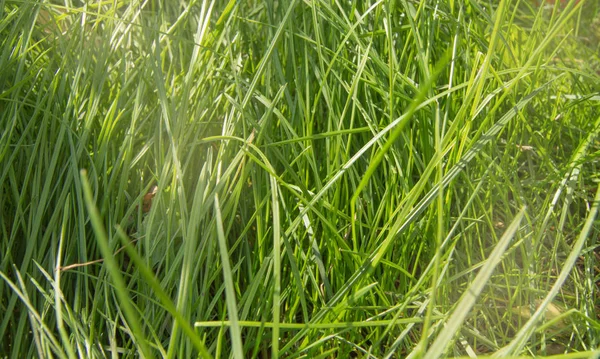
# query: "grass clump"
{"points": [[295, 178]]}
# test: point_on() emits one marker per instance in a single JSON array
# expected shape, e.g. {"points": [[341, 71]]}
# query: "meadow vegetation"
{"points": [[299, 178]]}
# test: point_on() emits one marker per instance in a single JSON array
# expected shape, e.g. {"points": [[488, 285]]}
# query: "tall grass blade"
{"points": [[232, 310]]}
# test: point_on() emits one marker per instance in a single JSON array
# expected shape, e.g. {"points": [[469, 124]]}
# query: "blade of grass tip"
{"points": [[520, 338], [151, 280], [113, 268], [225, 14], [468, 299], [234, 329], [276, 268]]}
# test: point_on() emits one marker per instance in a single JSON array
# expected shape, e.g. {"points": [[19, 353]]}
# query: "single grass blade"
{"points": [[232, 310], [276, 268]]}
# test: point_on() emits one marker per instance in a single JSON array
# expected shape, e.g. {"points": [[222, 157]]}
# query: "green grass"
{"points": [[372, 179]]}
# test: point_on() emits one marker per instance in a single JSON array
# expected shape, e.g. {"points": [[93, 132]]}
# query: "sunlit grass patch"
{"points": [[299, 178]]}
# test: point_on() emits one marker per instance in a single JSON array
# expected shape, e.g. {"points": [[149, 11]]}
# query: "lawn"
{"points": [[299, 178]]}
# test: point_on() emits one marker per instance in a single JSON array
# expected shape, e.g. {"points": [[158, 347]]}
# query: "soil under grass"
{"points": [[299, 179]]}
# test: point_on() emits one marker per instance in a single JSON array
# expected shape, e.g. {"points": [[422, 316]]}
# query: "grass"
{"points": [[373, 179]]}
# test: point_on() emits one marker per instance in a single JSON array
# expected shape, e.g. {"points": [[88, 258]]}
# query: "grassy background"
{"points": [[334, 179]]}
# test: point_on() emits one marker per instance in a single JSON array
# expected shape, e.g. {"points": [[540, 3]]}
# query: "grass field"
{"points": [[299, 178]]}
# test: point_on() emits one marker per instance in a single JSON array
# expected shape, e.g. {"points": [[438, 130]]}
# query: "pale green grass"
{"points": [[373, 179]]}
